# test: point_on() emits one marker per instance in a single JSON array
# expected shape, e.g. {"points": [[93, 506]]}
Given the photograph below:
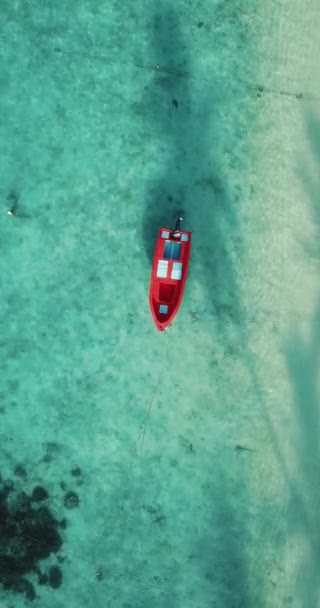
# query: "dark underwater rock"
{"points": [[20, 471], [71, 500], [43, 578], [63, 524], [76, 472], [28, 535], [55, 577], [39, 494]]}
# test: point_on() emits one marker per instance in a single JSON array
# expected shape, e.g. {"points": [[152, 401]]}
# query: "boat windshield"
{"points": [[172, 250]]}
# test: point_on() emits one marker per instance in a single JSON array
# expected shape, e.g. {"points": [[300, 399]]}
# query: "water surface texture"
{"points": [[143, 469]]}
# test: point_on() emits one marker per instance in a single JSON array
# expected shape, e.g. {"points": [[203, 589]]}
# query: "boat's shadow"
{"points": [[184, 114], [166, 110]]}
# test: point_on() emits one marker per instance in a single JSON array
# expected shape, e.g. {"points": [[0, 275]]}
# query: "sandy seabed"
{"points": [[147, 470]]}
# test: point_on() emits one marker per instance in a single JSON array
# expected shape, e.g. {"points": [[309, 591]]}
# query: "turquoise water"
{"points": [[142, 469]]}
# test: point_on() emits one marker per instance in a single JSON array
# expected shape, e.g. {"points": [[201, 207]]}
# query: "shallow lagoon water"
{"points": [[192, 455]]}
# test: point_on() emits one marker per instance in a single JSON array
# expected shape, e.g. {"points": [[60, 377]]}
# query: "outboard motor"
{"points": [[176, 233]]}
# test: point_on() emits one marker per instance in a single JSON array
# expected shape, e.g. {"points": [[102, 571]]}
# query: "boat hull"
{"points": [[168, 276]]}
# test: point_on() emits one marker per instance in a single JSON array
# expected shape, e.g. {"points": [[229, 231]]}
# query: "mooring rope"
{"points": [[158, 384], [256, 89]]}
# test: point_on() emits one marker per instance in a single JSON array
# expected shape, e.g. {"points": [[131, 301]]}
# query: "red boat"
{"points": [[169, 273]]}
